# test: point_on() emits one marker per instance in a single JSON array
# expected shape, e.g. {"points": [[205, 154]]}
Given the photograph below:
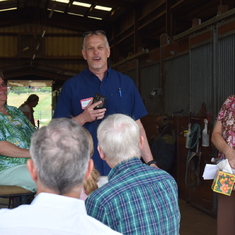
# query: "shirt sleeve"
{"points": [[63, 106], [138, 109], [227, 105], [95, 210]]}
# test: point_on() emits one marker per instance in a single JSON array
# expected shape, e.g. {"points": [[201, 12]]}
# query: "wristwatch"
{"points": [[151, 162]]}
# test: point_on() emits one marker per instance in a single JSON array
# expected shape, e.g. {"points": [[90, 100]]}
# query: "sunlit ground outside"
{"points": [[43, 111]]}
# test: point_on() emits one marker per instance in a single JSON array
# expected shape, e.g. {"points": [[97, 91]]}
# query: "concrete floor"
{"points": [[195, 221]]}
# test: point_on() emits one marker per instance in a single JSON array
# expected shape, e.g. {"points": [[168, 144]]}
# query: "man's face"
{"points": [[3, 90], [96, 52]]}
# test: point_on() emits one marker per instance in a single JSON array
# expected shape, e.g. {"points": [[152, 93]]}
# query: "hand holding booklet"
{"points": [[210, 170]]}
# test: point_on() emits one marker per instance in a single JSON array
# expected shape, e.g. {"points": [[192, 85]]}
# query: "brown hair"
{"points": [[91, 183], [2, 76]]}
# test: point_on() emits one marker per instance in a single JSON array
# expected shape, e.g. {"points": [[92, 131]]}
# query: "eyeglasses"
{"points": [[94, 32], [3, 85]]}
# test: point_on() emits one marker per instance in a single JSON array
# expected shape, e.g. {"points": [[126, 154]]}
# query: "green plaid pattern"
{"points": [[138, 199]]}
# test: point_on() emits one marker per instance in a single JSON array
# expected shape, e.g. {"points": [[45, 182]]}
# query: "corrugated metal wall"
{"points": [[177, 90], [205, 75], [63, 46], [8, 46], [225, 70], [151, 79], [201, 75], [21, 41]]}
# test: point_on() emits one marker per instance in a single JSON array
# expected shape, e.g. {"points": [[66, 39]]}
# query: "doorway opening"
{"points": [[20, 90]]}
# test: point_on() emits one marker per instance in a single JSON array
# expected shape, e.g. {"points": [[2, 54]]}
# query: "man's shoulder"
{"points": [[120, 75], [99, 227], [102, 192], [17, 213], [158, 175], [130, 179], [81, 223], [76, 78], [24, 108]]}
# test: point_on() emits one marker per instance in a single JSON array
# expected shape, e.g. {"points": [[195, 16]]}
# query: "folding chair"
{"points": [[16, 195]]}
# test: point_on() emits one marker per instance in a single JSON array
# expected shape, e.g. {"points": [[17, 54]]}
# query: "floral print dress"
{"points": [[16, 129], [227, 117]]}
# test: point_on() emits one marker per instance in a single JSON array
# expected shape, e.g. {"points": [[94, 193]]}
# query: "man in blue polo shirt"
{"points": [[75, 99]]}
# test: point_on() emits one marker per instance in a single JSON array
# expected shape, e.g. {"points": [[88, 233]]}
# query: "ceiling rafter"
{"points": [[127, 20]]}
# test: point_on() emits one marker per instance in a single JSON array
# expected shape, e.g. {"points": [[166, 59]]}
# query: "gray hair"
{"points": [[119, 138], [60, 152], [96, 32]]}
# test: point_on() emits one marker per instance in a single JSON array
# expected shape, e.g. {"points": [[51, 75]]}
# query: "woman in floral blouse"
{"points": [[223, 137], [15, 133]]}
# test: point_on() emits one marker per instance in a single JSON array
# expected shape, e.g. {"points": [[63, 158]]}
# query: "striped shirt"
{"points": [[138, 199]]}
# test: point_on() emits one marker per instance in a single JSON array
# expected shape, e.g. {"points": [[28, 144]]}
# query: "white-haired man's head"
{"points": [[119, 139]]}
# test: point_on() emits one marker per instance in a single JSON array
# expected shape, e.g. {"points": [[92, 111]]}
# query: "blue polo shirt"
{"points": [[121, 94]]}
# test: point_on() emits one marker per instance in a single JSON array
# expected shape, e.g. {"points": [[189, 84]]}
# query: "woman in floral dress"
{"points": [[15, 133], [223, 137]]}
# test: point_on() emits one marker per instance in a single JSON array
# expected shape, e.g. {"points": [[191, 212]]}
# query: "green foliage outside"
{"points": [[43, 111]]}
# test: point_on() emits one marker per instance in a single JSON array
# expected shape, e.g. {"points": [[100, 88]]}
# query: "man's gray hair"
{"points": [[60, 152], [119, 138], [105, 39]]}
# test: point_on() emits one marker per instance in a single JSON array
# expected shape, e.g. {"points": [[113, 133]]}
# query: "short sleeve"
{"points": [[228, 106]]}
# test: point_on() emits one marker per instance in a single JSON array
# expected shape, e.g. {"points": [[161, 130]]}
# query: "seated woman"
{"points": [[15, 133]]}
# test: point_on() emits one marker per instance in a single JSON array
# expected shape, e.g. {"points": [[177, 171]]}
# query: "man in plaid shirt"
{"points": [[138, 199]]}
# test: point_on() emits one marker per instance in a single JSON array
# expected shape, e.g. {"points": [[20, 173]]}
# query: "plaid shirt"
{"points": [[138, 199]]}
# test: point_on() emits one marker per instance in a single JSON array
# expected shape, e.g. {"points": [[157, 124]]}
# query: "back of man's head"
{"points": [[60, 152], [119, 138]]}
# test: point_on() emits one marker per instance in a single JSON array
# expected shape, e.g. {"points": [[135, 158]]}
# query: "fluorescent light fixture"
{"points": [[82, 4], [102, 8], [70, 13], [62, 1], [3, 0], [58, 11], [95, 18], [9, 9], [75, 14]]}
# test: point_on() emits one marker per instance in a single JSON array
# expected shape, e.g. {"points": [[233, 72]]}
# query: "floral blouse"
{"points": [[227, 117], [16, 129]]}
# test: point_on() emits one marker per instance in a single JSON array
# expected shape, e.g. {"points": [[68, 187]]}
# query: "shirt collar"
{"points": [[124, 165], [107, 73], [59, 201]]}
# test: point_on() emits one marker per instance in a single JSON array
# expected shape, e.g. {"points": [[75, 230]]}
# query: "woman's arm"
{"points": [[10, 150], [219, 142]]}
